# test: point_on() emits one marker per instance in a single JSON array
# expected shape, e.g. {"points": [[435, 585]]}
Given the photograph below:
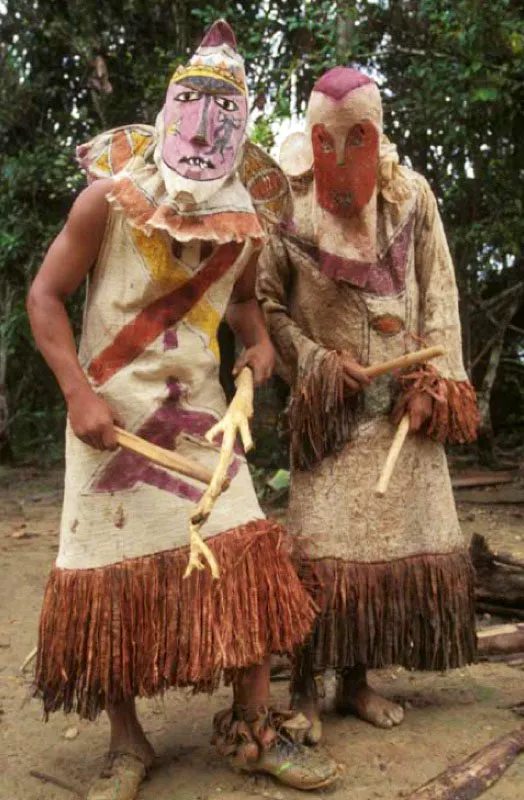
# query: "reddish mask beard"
{"points": [[345, 189]]}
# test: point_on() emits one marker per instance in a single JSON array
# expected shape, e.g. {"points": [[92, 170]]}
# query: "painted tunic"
{"points": [[149, 347], [119, 618], [395, 571]]}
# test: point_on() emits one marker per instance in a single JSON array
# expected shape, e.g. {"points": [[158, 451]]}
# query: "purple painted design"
{"points": [[170, 339], [386, 277], [345, 269], [339, 81], [126, 470], [220, 33]]}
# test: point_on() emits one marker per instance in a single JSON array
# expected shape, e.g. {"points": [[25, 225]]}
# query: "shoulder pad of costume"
{"points": [[268, 186], [110, 152]]}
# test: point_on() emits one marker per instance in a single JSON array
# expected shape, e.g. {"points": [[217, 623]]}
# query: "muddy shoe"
{"points": [[271, 742], [295, 765], [120, 779]]}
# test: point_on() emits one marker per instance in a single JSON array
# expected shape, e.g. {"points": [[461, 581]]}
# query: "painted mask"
{"points": [[203, 123], [204, 129], [345, 120]]}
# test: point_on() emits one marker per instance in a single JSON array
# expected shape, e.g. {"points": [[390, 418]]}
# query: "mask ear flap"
{"points": [[296, 154]]}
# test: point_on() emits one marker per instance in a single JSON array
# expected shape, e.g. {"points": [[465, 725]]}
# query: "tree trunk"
{"points": [[485, 439], [181, 20], [474, 776], [499, 579], [5, 449], [344, 30], [501, 640]]}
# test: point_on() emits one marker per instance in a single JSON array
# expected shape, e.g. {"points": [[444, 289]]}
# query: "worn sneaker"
{"points": [[120, 779], [271, 742], [295, 765]]}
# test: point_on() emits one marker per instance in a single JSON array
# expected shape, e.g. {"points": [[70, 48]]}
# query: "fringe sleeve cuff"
{"points": [[455, 417], [322, 411]]}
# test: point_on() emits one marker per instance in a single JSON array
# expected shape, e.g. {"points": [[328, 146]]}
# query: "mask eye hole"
{"points": [[187, 97], [226, 103], [356, 136], [324, 140]]}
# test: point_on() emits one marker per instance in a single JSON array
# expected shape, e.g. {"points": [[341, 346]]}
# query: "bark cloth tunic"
{"points": [[118, 618], [396, 576]]}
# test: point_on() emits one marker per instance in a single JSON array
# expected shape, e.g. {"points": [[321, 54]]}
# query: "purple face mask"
{"points": [[202, 132]]}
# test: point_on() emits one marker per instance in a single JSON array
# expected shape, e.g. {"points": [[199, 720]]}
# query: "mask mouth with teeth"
{"points": [[202, 126], [195, 162]]}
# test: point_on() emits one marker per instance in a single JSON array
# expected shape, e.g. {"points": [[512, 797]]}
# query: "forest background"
{"points": [[452, 74]]}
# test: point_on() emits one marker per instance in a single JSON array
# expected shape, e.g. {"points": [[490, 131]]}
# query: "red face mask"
{"points": [[345, 189]]}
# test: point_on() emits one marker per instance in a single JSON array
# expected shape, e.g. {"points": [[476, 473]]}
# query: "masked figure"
{"points": [[169, 234], [364, 275]]}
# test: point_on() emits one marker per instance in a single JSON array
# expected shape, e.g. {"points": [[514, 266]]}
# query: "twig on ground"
{"points": [[44, 776]]}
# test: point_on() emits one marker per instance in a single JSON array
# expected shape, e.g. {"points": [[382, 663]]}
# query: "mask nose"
{"points": [[202, 135]]}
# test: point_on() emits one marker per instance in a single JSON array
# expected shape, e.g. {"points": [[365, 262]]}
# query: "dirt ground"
{"points": [[448, 716]]}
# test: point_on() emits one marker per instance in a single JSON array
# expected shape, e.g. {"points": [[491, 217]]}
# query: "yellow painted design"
{"points": [[170, 274], [220, 73], [139, 142], [102, 163]]}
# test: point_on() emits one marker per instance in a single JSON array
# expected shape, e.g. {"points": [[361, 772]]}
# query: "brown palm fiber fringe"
{"points": [[417, 612], [322, 413], [455, 418], [138, 628]]}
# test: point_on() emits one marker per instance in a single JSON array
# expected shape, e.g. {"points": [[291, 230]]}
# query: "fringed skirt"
{"points": [[137, 628], [391, 573]]}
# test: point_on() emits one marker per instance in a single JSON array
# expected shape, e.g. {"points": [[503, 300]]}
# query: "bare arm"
{"points": [[65, 266], [246, 319]]}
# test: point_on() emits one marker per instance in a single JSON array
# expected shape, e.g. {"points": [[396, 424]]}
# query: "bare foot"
{"points": [[371, 707], [354, 696]]}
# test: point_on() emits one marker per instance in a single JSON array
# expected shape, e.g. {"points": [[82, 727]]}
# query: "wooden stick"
{"points": [[501, 640], [235, 420], [47, 778], [391, 459], [163, 457], [475, 775], [405, 361], [497, 610], [402, 431], [27, 660]]}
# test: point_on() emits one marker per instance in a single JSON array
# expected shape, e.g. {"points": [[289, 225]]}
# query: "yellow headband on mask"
{"points": [[194, 71]]}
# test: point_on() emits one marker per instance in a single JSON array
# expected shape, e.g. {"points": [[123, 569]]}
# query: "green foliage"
{"points": [[453, 83], [50, 101]]}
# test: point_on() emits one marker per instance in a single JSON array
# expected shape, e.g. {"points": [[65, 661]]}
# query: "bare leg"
{"points": [[354, 696], [251, 689], [127, 735], [130, 755], [304, 695]]}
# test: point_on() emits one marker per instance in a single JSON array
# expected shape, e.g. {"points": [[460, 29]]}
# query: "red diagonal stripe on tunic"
{"points": [[160, 315]]}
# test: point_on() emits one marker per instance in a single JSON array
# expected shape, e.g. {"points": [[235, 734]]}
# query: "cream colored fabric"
{"points": [[101, 527], [306, 310], [333, 507]]}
